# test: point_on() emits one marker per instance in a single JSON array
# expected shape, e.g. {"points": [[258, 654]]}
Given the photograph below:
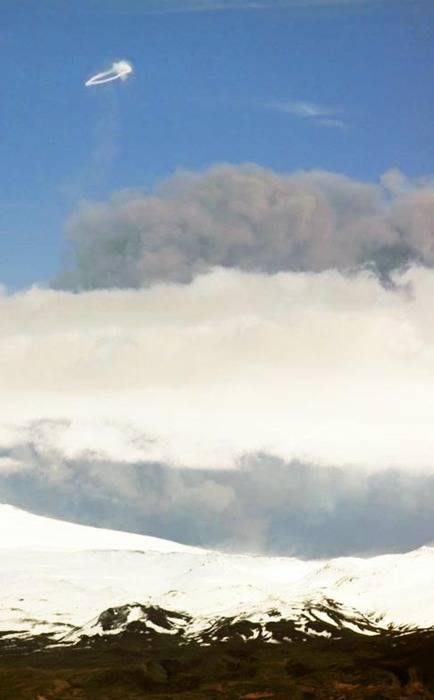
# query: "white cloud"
{"points": [[322, 367], [332, 123], [315, 114], [300, 109], [169, 6]]}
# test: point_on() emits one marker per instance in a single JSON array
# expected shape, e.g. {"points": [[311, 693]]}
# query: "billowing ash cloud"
{"points": [[252, 219], [266, 505]]}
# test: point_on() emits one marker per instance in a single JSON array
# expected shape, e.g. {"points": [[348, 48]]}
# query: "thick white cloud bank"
{"points": [[323, 368]]}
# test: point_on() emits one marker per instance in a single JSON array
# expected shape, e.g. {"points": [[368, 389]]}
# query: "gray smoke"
{"points": [[253, 219]]}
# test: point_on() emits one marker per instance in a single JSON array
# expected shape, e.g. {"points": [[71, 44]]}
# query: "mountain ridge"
{"points": [[84, 571], [90, 614]]}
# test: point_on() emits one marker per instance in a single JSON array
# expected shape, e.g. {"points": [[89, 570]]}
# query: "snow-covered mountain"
{"points": [[70, 580]]}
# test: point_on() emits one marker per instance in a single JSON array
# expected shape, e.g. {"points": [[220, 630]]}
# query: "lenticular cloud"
{"points": [[119, 70]]}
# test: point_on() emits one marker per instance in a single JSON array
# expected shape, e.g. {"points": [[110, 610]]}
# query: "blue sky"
{"points": [[346, 86]]}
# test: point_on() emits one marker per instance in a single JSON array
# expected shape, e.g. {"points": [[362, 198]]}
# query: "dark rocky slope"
{"points": [[141, 662]]}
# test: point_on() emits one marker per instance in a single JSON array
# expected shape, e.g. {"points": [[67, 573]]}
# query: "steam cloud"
{"points": [[252, 219], [119, 70]]}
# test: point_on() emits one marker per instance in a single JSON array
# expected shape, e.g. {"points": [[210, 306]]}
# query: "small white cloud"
{"points": [[136, 7], [331, 123], [298, 108], [317, 114]]}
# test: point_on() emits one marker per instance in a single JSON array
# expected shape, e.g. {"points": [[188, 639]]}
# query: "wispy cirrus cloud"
{"points": [[332, 123], [317, 114], [169, 6], [299, 108]]}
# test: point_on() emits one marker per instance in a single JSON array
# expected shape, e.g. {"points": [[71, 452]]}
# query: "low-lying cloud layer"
{"points": [[266, 505], [252, 219]]}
